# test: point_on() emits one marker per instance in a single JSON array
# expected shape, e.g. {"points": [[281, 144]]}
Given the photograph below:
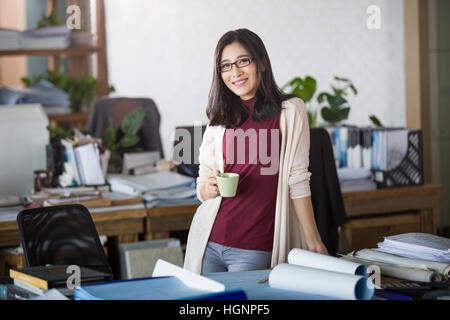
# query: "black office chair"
{"points": [[116, 109], [326, 194], [61, 235]]}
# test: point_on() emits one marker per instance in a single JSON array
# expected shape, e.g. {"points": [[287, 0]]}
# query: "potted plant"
{"points": [[123, 139], [304, 89], [338, 108]]}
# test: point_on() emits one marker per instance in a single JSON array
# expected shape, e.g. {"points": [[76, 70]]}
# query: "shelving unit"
{"points": [[77, 58]]}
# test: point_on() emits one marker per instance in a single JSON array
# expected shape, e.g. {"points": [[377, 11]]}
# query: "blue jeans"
{"points": [[220, 258]]}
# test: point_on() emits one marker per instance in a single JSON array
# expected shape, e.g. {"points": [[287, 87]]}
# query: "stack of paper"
{"points": [[417, 245], [399, 267], [355, 179], [53, 99], [55, 37], [9, 39], [160, 185], [403, 267], [139, 163]]}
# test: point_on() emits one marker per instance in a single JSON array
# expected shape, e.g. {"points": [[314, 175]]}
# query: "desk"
{"points": [[378, 213], [163, 219], [372, 215], [122, 218], [123, 221]]}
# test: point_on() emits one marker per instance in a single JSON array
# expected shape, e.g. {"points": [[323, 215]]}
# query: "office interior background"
{"points": [[164, 50]]}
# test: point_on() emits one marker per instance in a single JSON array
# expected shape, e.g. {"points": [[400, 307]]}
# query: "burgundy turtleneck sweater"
{"points": [[246, 221]]}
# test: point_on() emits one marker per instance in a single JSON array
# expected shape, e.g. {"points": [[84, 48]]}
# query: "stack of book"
{"points": [[53, 37], [9, 39], [369, 148], [38, 280], [355, 179], [160, 185], [88, 196], [82, 164]]}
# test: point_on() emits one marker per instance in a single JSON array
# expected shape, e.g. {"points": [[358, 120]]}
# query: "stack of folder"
{"points": [[42, 278]]}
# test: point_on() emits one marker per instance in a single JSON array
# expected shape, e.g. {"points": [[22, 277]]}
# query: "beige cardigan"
{"points": [[293, 182]]}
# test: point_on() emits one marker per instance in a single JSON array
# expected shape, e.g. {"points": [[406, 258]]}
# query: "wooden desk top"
{"points": [[392, 200], [122, 207], [356, 203], [392, 192]]}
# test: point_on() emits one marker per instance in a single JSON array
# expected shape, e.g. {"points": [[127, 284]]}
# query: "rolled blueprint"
{"points": [[321, 261], [321, 282], [373, 255], [406, 273]]}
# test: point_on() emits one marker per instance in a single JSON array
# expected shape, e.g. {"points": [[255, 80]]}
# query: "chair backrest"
{"points": [[116, 109], [61, 235]]}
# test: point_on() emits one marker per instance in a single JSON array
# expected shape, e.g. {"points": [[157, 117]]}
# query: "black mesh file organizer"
{"points": [[410, 170], [61, 235]]}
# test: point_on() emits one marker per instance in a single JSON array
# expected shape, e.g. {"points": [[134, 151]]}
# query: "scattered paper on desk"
{"points": [[189, 278], [191, 192], [400, 272], [322, 275], [377, 256], [417, 245], [52, 294], [148, 183]]}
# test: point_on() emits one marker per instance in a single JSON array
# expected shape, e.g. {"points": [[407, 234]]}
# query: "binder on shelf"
{"points": [[88, 161], [394, 155]]}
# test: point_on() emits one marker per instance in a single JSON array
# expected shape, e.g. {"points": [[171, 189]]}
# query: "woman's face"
{"points": [[241, 81]]}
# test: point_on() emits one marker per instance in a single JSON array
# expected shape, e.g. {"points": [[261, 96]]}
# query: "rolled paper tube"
{"points": [[321, 261], [321, 282]]}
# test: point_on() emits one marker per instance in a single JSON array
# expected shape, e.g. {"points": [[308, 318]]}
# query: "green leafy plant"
{"points": [[305, 90], [81, 90], [124, 138], [338, 108], [375, 121], [57, 131], [53, 19]]}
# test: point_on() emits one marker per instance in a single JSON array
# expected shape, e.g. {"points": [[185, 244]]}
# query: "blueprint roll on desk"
{"points": [[249, 282]]}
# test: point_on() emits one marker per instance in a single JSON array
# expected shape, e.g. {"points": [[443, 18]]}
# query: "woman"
{"points": [[272, 211]]}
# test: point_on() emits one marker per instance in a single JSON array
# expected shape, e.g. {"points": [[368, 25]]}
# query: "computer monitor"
{"points": [[187, 143], [23, 138]]}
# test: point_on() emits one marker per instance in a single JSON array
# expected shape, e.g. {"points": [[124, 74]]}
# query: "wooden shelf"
{"points": [[81, 61], [70, 120], [70, 51]]}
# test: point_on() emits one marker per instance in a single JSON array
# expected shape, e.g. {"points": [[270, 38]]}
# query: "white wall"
{"points": [[163, 49]]}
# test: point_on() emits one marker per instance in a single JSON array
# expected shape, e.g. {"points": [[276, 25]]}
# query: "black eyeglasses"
{"points": [[239, 63]]}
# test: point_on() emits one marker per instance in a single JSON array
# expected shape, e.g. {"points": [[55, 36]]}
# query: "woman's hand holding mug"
{"points": [[210, 189]]}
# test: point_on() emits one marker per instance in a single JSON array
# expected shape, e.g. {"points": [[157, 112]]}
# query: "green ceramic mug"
{"points": [[227, 183]]}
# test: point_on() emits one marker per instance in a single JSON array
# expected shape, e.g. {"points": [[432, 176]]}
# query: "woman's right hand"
{"points": [[210, 189]]}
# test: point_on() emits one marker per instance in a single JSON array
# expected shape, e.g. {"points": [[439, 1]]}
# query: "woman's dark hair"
{"points": [[225, 107]]}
